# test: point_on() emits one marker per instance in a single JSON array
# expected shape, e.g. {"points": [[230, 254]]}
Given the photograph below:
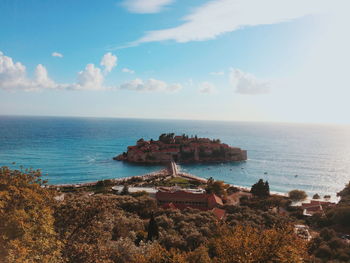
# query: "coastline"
{"points": [[154, 175]]}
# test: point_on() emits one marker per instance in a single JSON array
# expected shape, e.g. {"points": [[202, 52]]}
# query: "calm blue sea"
{"points": [[72, 150]]}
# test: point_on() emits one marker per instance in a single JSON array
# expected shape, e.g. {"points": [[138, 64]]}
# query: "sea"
{"points": [[311, 157]]}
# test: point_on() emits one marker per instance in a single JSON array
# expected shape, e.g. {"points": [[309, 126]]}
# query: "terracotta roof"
{"points": [[321, 202], [183, 206], [317, 203], [170, 150], [169, 206], [181, 196], [314, 208], [132, 147], [211, 200], [219, 213], [214, 199]]}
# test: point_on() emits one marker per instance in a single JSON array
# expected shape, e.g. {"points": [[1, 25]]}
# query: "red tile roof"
{"points": [[219, 213], [317, 208], [214, 200], [181, 196], [189, 199], [317, 203], [183, 206]]}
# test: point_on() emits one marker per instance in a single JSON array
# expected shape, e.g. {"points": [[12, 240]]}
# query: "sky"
{"points": [[243, 60]]}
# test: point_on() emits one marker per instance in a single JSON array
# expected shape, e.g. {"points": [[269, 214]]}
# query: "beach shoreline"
{"points": [[153, 175]]}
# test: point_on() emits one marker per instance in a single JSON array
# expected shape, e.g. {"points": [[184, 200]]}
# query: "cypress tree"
{"points": [[153, 231], [125, 190], [260, 189], [267, 189]]}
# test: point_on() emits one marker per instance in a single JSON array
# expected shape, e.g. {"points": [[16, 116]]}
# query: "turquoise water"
{"points": [[72, 150]]}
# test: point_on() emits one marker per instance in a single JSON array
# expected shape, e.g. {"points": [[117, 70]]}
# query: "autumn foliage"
{"points": [[26, 218], [108, 228]]}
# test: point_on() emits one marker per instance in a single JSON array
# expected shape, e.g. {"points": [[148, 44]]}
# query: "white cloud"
{"points": [[13, 76], [42, 79], [127, 70], [246, 83], [207, 88], [145, 6], [217, 17], [109, 61], [90, 78], [217, 73], [150, 85], [57, 54]]}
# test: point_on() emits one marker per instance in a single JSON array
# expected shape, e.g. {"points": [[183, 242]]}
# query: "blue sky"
{"points": [[250, 60]]}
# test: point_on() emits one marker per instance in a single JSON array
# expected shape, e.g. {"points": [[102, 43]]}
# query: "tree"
{"points": [[216, 187], [125, 190], [316, 196], [340, 215], [345, 193], [199, 255], [26, 218], [260, 189], [95, 229], [153, 231], [158, 254], [297, 195], [267, 188], [248, 244]]}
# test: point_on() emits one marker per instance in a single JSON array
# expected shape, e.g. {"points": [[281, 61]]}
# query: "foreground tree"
{"points": [[26, 218], [248, 244]]}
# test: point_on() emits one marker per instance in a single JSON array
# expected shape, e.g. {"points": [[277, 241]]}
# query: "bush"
{"points": [[247, 244], [327, 234], [316, 196], [323, 252], [297, 195], [341, 215]]}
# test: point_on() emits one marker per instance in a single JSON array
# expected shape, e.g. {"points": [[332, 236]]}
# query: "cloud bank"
{"points": [[247, 84], [218, 17], [13, 76], [146, 6]]}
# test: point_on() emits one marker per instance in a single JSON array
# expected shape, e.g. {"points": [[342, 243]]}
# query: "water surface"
{"points": [[315, 158]]}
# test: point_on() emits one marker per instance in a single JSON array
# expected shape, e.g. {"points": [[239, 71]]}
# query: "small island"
{"points": [[181, 149]]}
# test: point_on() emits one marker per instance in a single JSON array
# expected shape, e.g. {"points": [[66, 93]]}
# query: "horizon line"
{"points": [[179, 119]]}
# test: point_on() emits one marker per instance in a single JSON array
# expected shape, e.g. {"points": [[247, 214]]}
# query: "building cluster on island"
{"points": [[181, 149]]}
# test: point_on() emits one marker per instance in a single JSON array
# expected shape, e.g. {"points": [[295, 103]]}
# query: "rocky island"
{"points": [[181, 149]]}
